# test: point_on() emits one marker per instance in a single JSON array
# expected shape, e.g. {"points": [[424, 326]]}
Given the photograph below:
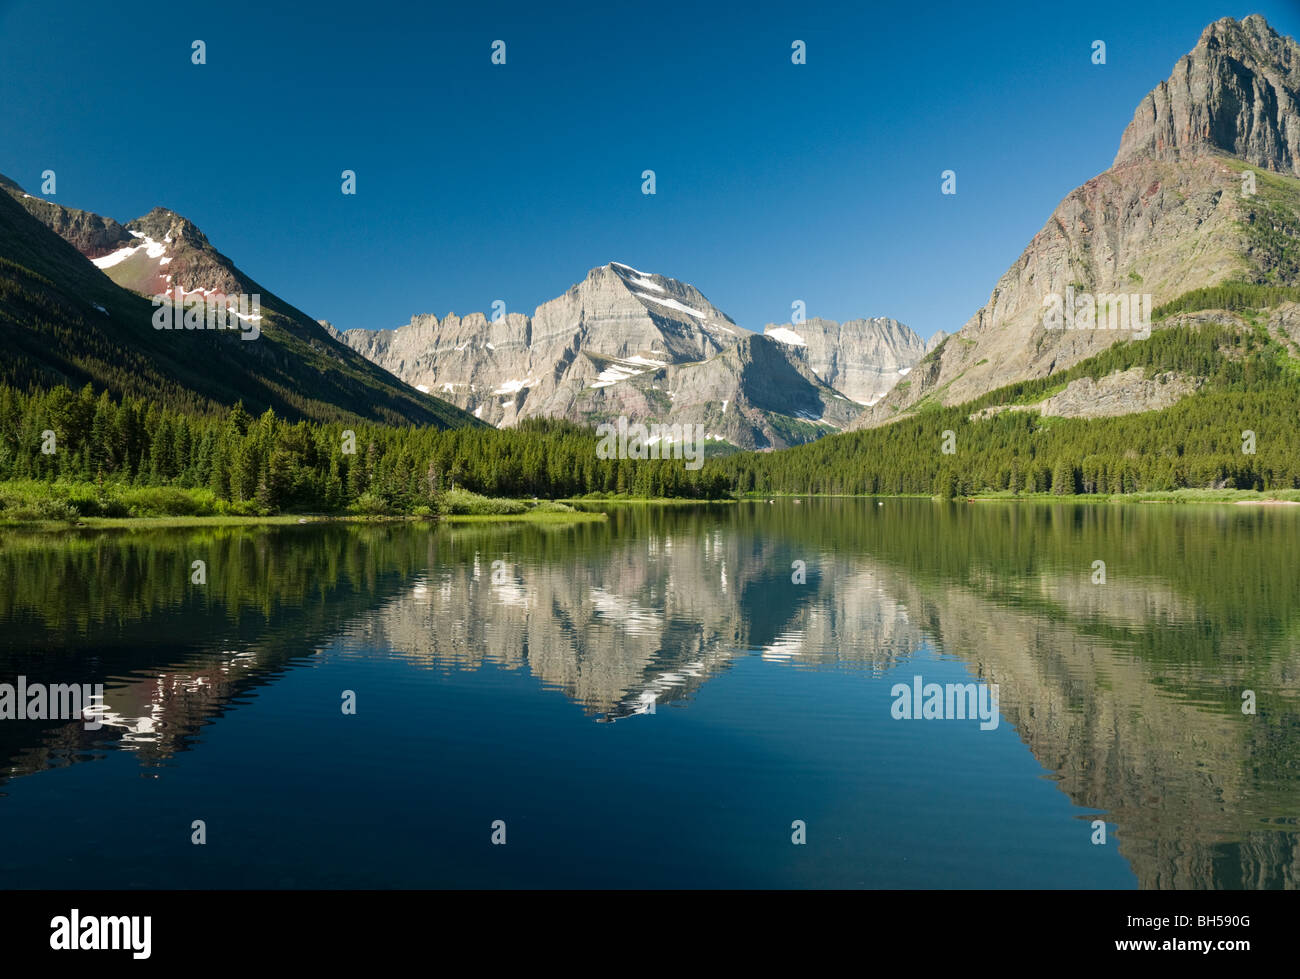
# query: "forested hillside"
{"points": [[1249, 380], [64, 322]]}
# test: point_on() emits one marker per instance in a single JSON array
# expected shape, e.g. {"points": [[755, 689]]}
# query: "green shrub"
{"points": [[463, 502], [372, 504], [168, 501], [239, 508], [112, 506], [52, 509], [35, 501]]}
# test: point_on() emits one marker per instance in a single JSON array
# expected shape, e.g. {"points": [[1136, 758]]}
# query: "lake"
{"points": [[682, 696]]}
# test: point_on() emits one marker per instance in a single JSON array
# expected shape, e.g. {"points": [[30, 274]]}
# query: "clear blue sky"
{"points": [[478, 182]]}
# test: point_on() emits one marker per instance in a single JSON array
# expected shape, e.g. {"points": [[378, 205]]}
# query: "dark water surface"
{"points": [[653, 702]]}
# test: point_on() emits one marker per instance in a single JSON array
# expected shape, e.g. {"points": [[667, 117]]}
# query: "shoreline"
{"points": [[592, 510], [290, 520], [1181, 496]]}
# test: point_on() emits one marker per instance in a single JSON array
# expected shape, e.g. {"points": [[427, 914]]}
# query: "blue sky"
{"points": [[479, 182]]}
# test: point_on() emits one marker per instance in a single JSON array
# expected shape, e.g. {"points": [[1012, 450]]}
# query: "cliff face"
{"points": [[862, 359], [1236, 91]]}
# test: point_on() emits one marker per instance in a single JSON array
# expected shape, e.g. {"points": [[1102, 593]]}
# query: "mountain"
{"points": [[520, 366], [619, 343], [626, 342], [88, 233], [1175, 213], [1236, 91], [164, 251], [862, 359], [73, 310]]}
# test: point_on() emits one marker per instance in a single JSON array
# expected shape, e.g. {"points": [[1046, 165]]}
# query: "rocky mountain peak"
{"points": [[161, 224], [87, 274], [151, 255], [666, 298], [1237, 91]]}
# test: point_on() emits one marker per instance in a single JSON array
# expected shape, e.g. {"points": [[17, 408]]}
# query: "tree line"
{"points": [[1238, 431], [270, 464]]}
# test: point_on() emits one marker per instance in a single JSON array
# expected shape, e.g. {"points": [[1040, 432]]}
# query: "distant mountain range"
{"points": [[652, 348], [621, 342]]}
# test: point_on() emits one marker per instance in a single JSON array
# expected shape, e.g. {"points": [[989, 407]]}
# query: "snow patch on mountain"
{"points": [[624, 368], [641, 279], [152, 249], [644, 361], [672, 304], [514, 387], [783, 335]]}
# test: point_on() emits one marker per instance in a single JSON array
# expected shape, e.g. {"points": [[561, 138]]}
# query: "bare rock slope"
{"points": [[1172, 214]]}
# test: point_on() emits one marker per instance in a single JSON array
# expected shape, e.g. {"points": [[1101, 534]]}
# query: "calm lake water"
{"points": [[652, 701]]}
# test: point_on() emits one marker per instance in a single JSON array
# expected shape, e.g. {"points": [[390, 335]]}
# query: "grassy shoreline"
{"points": [[208, 520], [1237, 497], [590, 509], [640, 500], [62, 505], [1245, 497], [534, 516], [225, 520]]}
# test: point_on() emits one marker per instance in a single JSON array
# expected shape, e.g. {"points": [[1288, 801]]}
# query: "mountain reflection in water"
{"points": [[467, 644]]}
